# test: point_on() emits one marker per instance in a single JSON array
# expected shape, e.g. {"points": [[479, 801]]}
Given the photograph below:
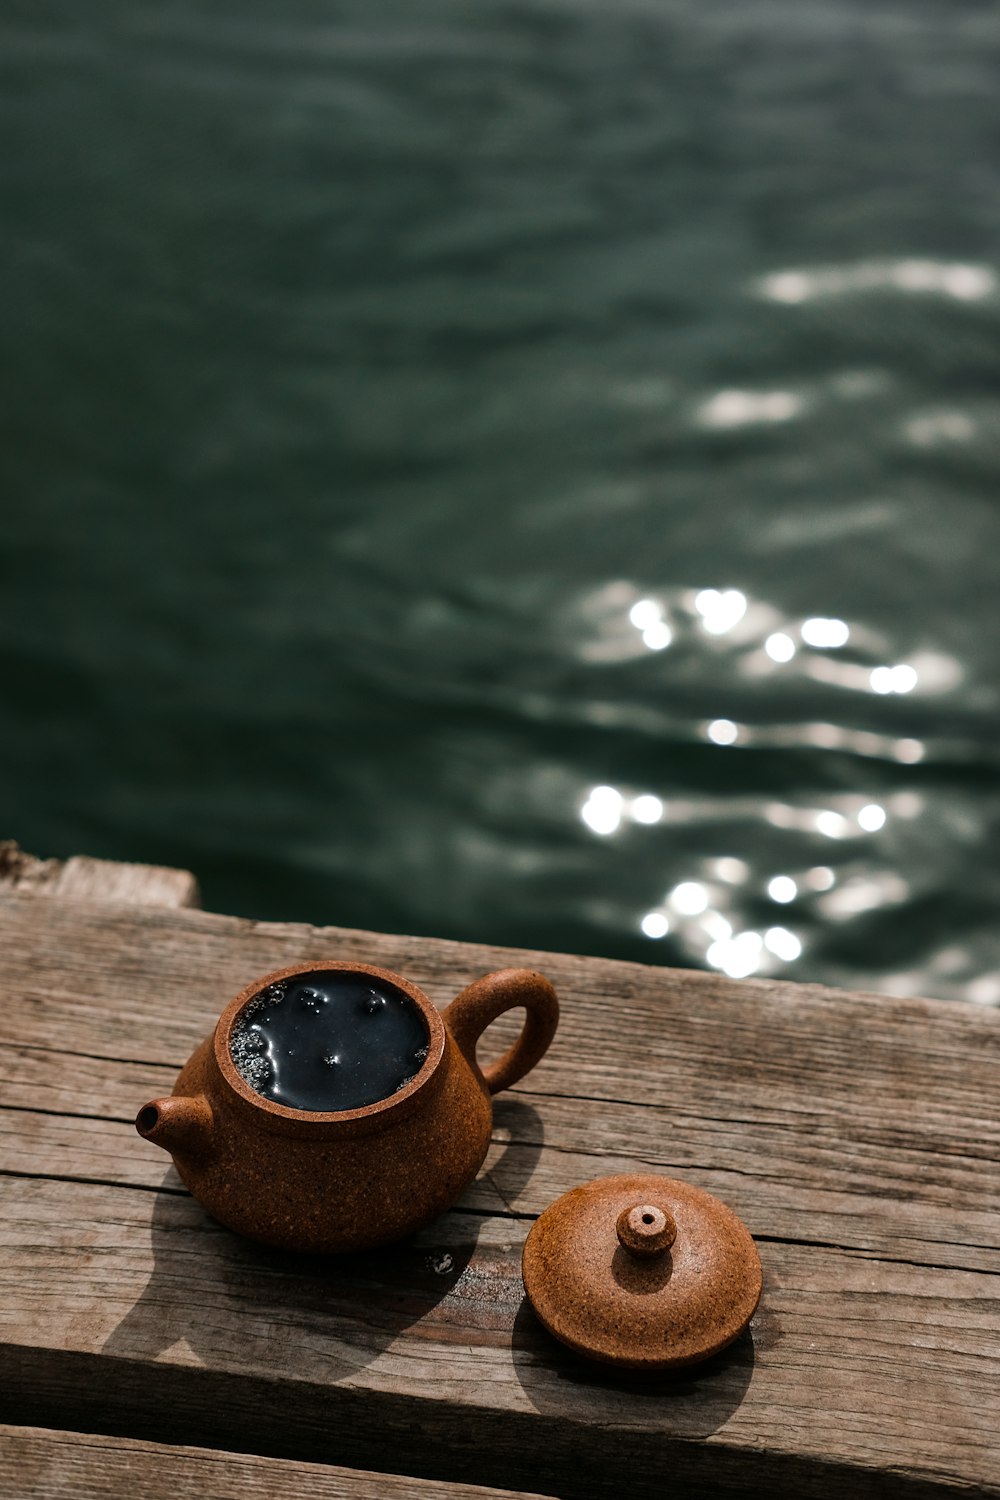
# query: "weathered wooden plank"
{"points": [[130, 1307], [782, 1198], [839, 1152], [39, 1464], [857, 1136], [20, 871], [85, 879]]}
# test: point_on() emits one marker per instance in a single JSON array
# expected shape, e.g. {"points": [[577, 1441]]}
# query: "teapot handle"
{"points": [[469, 1014]]}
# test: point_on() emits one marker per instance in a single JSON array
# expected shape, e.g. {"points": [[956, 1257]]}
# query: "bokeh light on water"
{"points": [[519, 473], [752, 855]]}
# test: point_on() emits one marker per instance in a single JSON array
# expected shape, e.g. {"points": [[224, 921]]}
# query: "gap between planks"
{"points": [[41, 1464]]}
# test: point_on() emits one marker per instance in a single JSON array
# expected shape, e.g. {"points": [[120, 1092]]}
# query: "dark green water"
{"points": [[364, 367]]}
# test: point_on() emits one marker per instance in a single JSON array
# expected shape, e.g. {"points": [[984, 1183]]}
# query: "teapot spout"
{"points": [[181, 1125]]}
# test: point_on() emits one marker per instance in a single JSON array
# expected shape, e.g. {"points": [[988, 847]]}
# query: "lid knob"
{"points": [[645, 1229]]}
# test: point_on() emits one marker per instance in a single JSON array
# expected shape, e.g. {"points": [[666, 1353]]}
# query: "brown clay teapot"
{"points": [[347, 1179]]}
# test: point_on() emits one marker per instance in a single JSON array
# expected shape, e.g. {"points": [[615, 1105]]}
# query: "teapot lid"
{"points": [[642, 1271]]}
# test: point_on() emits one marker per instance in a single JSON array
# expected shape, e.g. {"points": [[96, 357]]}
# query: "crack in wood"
{"points": [[138, 1062]]}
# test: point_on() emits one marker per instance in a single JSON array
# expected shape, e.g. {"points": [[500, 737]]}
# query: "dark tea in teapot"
{"points": [[329, 1040]]}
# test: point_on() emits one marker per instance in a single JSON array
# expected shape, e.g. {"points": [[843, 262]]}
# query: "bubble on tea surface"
{"points": [[374, 1003], [249, 1051], [417, 1060]]}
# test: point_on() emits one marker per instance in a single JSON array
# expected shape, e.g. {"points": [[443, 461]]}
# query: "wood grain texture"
{"points": [[84, 879], [39, 1464], [858, 1137]]}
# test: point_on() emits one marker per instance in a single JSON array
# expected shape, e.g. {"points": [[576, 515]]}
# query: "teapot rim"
{"points": [[372, 1113]]}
